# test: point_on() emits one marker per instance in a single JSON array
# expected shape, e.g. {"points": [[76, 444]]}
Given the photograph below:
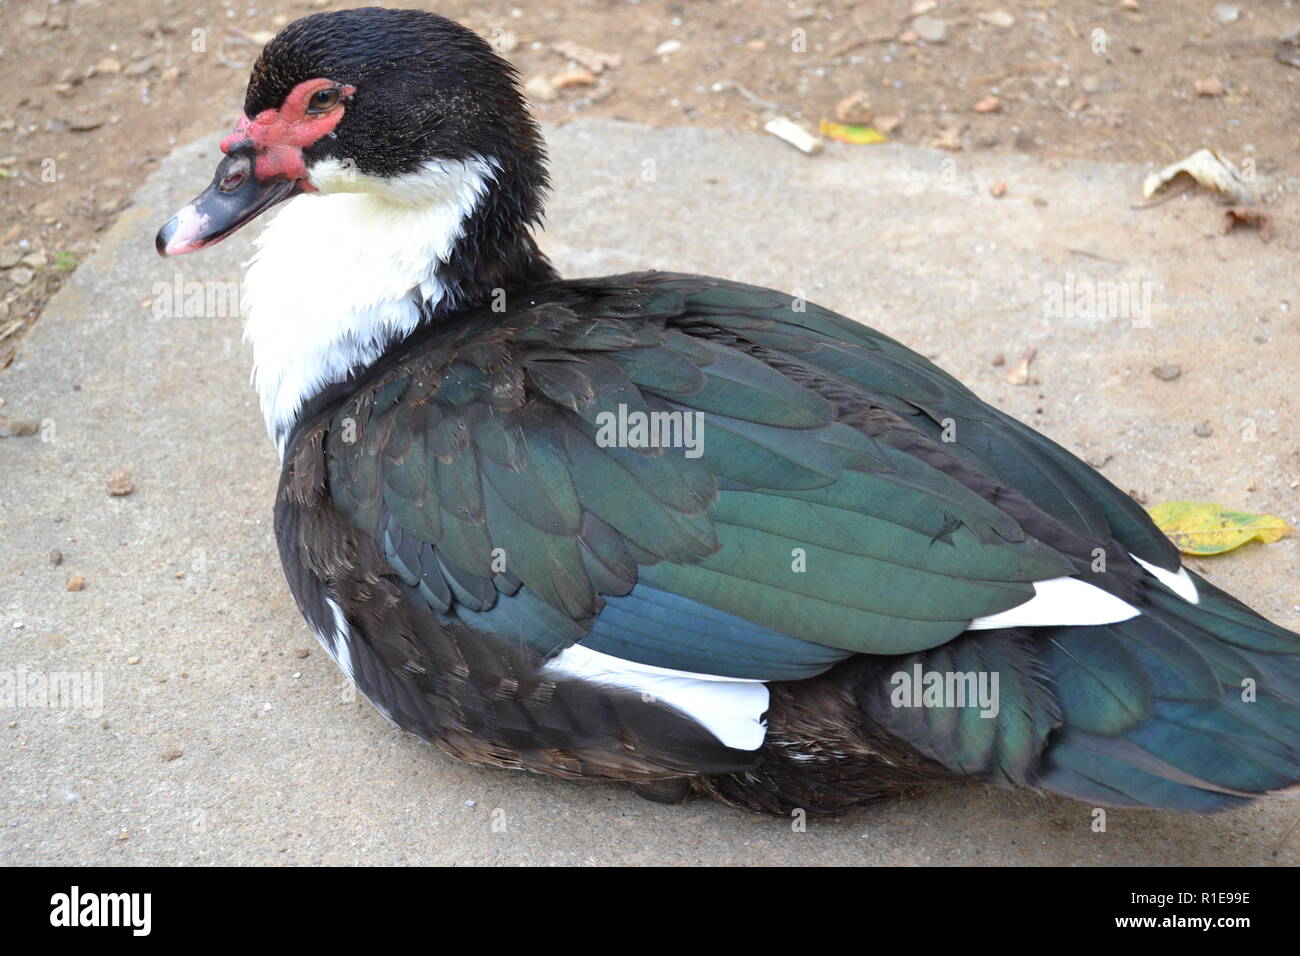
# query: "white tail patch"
{"points": [[1180, 582], [1060, 601], [730, 708]]}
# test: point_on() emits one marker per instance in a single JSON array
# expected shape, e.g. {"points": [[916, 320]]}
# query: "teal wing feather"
{"points": [[798, 536]]}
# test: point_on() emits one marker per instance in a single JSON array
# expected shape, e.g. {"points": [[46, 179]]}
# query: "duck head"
{"points": [[385, 102]]}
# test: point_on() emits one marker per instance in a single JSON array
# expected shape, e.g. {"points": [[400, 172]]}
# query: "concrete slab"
{"points": [[187, 622]]}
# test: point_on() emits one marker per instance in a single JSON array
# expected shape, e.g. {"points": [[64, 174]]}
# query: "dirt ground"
{"points": [[101, 90]]}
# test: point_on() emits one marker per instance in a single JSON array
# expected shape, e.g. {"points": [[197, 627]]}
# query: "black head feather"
{"points": [[426, 89]]}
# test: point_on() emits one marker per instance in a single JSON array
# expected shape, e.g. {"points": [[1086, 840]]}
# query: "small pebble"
{"points": [[18, 427], [1210, 86], [1203, 430], [539, 88], [76, 583], [301, 653], [1167, 373], [56, 558], [1227, 12], [998, 18], [931, 29], [120, 485], [172, 753], [998, 189]]}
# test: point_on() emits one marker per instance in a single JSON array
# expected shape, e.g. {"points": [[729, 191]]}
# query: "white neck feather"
{"points": [[331, 285]]}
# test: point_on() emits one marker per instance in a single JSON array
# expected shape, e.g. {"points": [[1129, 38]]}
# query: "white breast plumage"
{"points": [[330, 286]]}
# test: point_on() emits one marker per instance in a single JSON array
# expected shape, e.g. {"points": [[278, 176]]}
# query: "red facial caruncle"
{"points": [[263, 166], [312, 110]]}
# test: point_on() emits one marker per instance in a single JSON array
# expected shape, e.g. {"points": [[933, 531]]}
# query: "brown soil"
{"points": [[101, 89]]}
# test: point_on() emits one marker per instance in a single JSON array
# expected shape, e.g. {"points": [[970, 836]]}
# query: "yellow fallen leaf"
{"points": [[849, 133], [1197, 527]]}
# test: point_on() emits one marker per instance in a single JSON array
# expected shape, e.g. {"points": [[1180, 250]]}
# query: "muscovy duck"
{"points": [[674, 530]]}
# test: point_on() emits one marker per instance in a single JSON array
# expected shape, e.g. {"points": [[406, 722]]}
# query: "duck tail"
{"points": [[1186, 707]]}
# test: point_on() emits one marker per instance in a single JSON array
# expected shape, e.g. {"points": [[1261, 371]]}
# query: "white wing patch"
{"points": [[730, 708], [1180, 582], [1060, 601]]}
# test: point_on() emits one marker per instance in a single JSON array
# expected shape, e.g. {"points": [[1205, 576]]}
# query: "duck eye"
{"points": [[323, 100]]}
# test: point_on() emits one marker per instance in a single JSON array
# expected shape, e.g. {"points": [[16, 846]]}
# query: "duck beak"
{"points": [[235, 196]]}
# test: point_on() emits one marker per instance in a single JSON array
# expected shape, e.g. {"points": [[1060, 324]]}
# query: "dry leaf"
{"points": [[1019, 373], [887, 124], [1209, 169], [593, 60], [1197, 527], [1246, 216], [949, 138], [854, 109], [578, 77]]}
